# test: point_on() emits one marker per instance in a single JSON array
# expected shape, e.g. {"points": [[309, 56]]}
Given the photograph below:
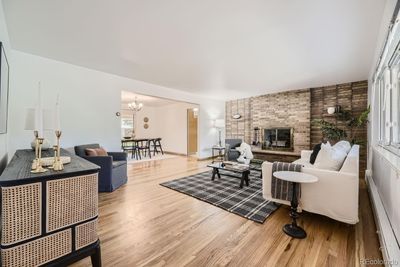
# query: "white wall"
{"points": [[172, 126], [166, 121], [147, 111], [89, 101], [6, 43]]}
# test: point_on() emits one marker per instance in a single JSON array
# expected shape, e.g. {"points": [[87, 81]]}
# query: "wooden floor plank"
{"points": [[145, 224]]}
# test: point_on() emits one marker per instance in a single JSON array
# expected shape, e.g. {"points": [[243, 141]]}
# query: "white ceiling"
{"points": [[219, 48]]}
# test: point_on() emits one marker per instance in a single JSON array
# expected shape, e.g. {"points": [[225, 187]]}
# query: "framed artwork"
{"points": [[4, 84]]}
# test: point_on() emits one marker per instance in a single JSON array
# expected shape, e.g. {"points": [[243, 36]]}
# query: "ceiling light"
{"points": [[135, 106]]}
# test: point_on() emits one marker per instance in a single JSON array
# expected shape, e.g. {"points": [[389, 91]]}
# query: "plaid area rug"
{"points": [[226, 194]]}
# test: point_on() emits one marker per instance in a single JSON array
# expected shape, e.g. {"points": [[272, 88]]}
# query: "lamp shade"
{"points": [[30, 120], [219, 123]]}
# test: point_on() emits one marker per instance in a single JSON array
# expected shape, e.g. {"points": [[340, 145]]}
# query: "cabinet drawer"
{"points": [[86, 234], [21, 213], [39, 251], [71, 200]]}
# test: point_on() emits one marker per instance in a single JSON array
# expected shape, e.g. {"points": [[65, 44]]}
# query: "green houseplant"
{"points": [[353, 124]]}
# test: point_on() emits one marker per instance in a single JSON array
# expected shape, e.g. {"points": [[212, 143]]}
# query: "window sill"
{"points": [[390, 156]]}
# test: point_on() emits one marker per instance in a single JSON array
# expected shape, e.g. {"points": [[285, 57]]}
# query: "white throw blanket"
{"points": [[245, 153]]}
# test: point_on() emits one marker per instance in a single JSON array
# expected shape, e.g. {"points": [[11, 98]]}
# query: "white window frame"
{"points": [[386, 83]]}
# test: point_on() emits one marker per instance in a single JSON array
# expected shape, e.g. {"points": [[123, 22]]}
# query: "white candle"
{"points": [[57, 115], [39, 114]]}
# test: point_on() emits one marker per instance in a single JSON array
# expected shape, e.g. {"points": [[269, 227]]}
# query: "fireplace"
{"points": [[278, 139]]}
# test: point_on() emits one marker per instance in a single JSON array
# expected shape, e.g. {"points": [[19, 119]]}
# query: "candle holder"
{"points": [[57, 165], [38, 161], [34, 162]]}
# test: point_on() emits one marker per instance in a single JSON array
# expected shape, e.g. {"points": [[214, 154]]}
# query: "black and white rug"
{"points": [[226, 194]]}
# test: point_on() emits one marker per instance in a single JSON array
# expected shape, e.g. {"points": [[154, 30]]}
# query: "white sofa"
{"points": [[334, 195]]}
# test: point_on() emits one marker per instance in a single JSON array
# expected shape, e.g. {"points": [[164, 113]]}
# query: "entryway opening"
{"points": [[192, 127]]}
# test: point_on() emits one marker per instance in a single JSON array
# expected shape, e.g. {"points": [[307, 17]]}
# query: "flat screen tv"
{"points": [[278, 138]]}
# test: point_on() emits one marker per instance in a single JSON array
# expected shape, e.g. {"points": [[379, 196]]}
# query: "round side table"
{"points": [[296, 178]]}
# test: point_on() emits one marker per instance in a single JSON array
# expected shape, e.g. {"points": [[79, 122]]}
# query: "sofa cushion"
{"points": [[303, 162], [80, 150], [314, 154], [344, 145], [91, 152], [101, 151], [118, 163], [330, 158]]}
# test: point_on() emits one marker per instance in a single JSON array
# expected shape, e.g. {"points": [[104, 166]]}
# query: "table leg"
{"points": [[293, 229], [96, 257], [215, 170], [242, 179]]}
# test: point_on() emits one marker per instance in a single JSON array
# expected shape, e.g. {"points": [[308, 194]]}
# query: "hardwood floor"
{"points": [[145, 224]]}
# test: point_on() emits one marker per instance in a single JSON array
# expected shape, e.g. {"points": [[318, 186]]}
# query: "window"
{"points": [[395, 97], [387, 92]]}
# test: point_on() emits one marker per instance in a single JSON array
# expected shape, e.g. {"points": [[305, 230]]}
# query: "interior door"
{"points": [[192, 132]]}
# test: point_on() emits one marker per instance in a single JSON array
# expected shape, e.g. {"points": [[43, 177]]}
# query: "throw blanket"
{"points": [[281, 189]]}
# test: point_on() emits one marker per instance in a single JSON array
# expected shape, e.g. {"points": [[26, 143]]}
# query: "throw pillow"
{"points": [[344, 145], [314, 154], [330, 158], [90, 152], [101, 152]]}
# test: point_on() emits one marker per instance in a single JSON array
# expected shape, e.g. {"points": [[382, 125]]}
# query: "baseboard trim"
{"points": [[174, 153], [389, 248], [206, 158]]}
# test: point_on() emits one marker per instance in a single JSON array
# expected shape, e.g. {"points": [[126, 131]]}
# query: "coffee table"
{"points": [[241, 169], [296, 178]]}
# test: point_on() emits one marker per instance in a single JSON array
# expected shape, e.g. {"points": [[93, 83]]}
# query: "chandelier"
{"points": [[135, 106]]}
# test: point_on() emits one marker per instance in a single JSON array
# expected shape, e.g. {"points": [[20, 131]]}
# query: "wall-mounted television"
{"points": [[278, 138]]}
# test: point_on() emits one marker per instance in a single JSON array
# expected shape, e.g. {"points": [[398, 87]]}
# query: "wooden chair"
{"points": [[143, 145], [157, 144], [128, 147]]}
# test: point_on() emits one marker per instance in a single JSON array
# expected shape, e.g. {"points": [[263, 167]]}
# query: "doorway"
{"points": [[192, 126]]}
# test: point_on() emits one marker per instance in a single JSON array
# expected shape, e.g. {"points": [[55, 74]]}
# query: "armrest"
{"points": [[119, 156], [102, 161], [306, 154]]}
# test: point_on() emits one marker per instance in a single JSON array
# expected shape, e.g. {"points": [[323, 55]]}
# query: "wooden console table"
{"points": [[50, 218]]}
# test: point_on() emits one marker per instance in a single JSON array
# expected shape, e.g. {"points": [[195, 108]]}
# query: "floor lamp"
{"points": [[219, 124]]}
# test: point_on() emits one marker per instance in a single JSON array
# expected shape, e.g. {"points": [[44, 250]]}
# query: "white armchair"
{"points": [[335, 195]]}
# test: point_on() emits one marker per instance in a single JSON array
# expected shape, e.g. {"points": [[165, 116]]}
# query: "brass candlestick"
{"points": [[39, 168], [58, 165], [34, 163]]}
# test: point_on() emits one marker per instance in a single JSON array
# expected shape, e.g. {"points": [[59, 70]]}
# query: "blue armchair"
{"points": [[113, 172]]}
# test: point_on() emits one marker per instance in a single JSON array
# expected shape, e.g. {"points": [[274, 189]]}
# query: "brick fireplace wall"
{"points": [[297, 109], [286, 109]]}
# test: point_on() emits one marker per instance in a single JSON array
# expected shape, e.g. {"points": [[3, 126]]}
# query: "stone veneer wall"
{"points": [[286, 109]]}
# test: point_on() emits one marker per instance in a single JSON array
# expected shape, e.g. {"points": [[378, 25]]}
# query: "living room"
{"points": [[199, 133]]}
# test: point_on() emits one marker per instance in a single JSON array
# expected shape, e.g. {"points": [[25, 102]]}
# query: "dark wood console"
{"points": [[49, 219]]}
